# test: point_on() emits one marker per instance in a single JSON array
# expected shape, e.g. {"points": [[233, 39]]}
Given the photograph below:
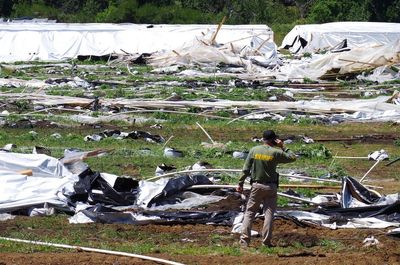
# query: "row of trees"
{"points": [[281, 15], [204, 11]]}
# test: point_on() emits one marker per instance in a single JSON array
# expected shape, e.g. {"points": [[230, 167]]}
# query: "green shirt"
{"points": [[262, 161]]}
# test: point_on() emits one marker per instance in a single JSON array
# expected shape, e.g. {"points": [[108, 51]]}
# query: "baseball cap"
{"points": [[269, 135]]}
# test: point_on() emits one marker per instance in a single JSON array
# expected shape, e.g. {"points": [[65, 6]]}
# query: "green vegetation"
{"points": [[279, 14]]}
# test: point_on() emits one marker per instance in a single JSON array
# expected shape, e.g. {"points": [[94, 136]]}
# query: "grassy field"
{"points": [[194, 244]]}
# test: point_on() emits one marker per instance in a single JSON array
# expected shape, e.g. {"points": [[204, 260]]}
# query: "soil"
{"points": [[286, 234]]}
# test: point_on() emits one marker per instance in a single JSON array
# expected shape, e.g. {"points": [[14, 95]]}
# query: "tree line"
{"points": [[204, 11], [281, 15]]}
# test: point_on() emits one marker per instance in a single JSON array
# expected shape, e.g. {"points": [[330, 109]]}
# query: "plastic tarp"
{"points": [[105, 215], [360, 217], [319, 37], [59, 41], [355, 60], [50, 183], [156, 193], [352, 191], [200, 52], [108, 189], [354, 194], [41, 165]]}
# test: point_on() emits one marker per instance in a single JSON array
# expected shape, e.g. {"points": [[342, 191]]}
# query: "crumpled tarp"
{"points": [[40, 164], [382, 216], [95, 187], [259, 49], [154, 193], [105, 215], [353, 61], [60, 41], [321, 37], [353, 190], [117, 134], [50, 182]]}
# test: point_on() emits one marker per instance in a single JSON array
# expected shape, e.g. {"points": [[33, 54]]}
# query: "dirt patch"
{"points": [[346, 248]]}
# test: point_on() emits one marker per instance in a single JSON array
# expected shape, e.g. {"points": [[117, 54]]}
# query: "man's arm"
{"points": [[286, 156], [246, 171]]}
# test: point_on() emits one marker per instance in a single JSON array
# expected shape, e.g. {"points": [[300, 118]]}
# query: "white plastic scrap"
{"points": [[378, 155], [237, 225], [380, 74], [307, 140], [94, 137], [8, 147], [33, 133], [371, 241], [45, 211], [240, 155], [56, 135], [6, 216], [163, 168], [200, 165], [170, 152]]}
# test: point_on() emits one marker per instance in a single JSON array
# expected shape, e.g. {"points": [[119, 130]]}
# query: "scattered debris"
{"points": [[171, 152], [116, 134], [371, 241]]}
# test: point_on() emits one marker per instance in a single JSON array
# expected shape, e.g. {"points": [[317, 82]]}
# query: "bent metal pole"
{"points": [[102, 251], [167, 175]]}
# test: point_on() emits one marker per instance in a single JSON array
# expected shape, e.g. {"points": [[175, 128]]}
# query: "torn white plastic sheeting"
{"points": [[368, 222], [42, 211], [40, 164], [374, 105], [195, 53], [201, 52], [48, 184], [80, 218], [238, 223], [13, 82], [384, 200], [60, 41], [324, 220], [381, 74], [319, 37], [190, 200], [394, 232], [151, 189], [6, 216], [308, 216], [378, 155], [355, 60], [25, 192], [95, 120]]}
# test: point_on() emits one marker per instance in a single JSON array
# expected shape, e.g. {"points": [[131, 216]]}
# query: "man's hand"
{"points": [[239, 188], [279, 143]]}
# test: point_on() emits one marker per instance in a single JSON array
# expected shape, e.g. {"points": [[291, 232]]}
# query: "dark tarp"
{"points": [[351, 188], [176, 185], [389, 213], [106, 215], [86, 189]]}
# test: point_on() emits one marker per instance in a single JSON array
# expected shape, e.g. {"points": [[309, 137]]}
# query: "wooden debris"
{"points": [[218, 28]]}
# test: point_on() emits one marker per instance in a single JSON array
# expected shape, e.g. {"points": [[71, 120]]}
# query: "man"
{"points": [[261, 165]]}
